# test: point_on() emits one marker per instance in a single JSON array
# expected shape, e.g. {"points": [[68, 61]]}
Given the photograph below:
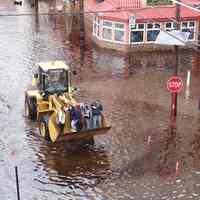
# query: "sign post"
{"points": [[17, 183], [132, 22], [174, 85]]}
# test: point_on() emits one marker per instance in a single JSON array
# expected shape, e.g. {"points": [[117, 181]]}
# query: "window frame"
{"points": [[107, 27], [119, 29], [97, 25], [171, 28], [94, 25], [152, 29], [135, 30], [100, 23], [190, 28]]}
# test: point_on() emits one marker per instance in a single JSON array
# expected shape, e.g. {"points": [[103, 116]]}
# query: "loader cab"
{"points": [[53, 77]]}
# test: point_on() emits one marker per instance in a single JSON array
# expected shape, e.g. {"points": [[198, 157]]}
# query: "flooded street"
{"points": [[140, 158]]}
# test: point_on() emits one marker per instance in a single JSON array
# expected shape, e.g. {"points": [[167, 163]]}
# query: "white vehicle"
{"points": [[18, 2]]}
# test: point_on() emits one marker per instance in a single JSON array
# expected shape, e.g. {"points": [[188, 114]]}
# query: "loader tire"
{"points": [[27, 110], [31, 108], [44, 130]]}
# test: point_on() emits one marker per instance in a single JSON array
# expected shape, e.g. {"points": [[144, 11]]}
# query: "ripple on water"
{"points": [[122, 165]]}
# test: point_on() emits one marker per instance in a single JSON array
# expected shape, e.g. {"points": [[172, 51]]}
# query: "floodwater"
{"points": [[140, 158]]}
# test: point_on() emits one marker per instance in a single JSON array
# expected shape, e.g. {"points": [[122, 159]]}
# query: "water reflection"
{"points": [[195, 151], [72, 167], [160, 156], [133, 90], [169, 161], [69, 159]]}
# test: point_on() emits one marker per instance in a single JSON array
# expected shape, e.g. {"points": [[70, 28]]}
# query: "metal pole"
{"points": [[17, 183], [36, 12], [82, 33], [198, 40], [173, 116], [65, 21], [175, 99], [175, 96], [198, 50], [81, 21], [36, 6], [198, 59]]}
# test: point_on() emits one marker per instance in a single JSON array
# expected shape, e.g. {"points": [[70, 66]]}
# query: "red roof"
{"points": [[111, 4], [153, 14], [162, 13]]}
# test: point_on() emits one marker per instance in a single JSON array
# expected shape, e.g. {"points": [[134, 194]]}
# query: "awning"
{"points": [[174, 37]]}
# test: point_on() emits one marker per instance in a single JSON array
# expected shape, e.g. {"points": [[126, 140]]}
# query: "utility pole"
{"points": [[82, 25], [198, 58], [176, 49], [36, 12], [82, 33], [65, 20], [198, 50], [36, 6]]}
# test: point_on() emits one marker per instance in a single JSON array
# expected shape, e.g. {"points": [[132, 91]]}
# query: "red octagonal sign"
{"points": [[175, 84]]}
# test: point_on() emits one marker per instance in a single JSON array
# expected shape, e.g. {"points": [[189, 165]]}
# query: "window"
{"points": [[158, 2], [107, 30], [107, 24], [119, 32], [137, 34], [96, 27], [189, 26], [169, 26], [153, 30], [56, 80]]}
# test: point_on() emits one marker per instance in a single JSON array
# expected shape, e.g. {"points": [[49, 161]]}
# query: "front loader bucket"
{"points": [[84, 134]]}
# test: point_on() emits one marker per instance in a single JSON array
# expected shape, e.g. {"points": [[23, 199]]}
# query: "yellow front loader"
{"points": [[51, 98]]}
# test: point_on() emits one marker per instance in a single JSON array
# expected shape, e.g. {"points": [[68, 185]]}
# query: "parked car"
{"points": [[18, 2]]}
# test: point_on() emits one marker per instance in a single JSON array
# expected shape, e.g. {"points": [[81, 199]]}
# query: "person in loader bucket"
{"points": [[86, 112], [97, 108], [75, 116], [61, 119]]}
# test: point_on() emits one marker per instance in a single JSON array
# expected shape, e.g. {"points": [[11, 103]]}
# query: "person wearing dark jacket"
{"points": [[97, 108], [75, 117]]}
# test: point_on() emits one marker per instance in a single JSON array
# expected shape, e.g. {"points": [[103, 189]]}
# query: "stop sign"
{"points": [[175, 84]]}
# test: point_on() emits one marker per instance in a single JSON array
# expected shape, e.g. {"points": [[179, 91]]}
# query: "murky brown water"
{"points": [[139, 157]]}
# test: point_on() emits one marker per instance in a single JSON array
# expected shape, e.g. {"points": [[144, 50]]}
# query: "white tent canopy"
{"points": [[174, 37]]}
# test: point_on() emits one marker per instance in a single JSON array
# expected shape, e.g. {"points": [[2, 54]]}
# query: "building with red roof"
{"points": [[119, 24]]}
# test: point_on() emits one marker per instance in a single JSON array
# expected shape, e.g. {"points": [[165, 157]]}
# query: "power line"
{"points": [[71, 13], [98, 11], [94, 12], [59, 13], [186, 5]]}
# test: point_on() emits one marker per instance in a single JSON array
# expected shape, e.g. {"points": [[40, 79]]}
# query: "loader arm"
{"points": [[54, 129]]}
